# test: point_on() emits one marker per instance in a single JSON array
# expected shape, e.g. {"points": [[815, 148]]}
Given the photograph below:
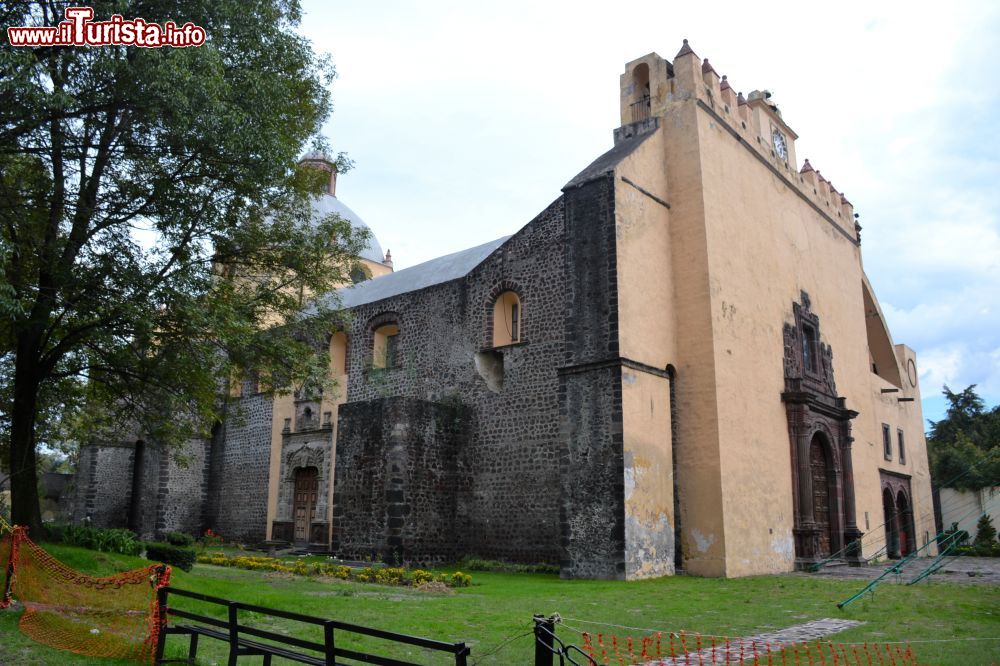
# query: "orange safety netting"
{"points": [[116, 616], [691, 649], [6, 545]]}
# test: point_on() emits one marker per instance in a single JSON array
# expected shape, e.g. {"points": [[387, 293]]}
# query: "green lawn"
{"points": [[499, 606]]}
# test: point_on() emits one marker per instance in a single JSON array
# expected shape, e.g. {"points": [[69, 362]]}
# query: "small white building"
{"points": [[964, 507]]}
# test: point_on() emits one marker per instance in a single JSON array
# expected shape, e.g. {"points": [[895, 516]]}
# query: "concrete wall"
{"points": [[965, 507]]}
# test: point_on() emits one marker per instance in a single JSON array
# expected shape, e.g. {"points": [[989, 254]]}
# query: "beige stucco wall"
{"points": [[665, 318], [765, 246], [284, 408], [869, 458], [648, 483], [646, 330], [747, 234]]}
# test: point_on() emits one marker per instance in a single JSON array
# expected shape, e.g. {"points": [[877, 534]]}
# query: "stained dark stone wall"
{"points": [[239, 462], [219, 483], [396, 475], [171, 489], [508, 504], [104, 485], [181, 489], [592, 514], [535, 471]]}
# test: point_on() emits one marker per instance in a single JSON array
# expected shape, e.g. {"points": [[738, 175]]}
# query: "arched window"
{"points": [[507, 317], [338, 354], [640, 95], [385, 353]]}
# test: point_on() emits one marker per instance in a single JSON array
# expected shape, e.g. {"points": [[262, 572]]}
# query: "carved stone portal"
{"points": [[306, 458], [819, 427]]}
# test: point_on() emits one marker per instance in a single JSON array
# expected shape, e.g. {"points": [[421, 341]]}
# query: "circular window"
{"points": [[911, 372]]}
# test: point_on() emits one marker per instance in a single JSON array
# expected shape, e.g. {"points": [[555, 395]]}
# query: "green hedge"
{"points": [[979, 550], [179, 539], [175, 556], [120, 541]]}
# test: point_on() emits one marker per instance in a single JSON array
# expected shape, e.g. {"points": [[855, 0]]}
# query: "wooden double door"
{"points": [[820, 474], [306, 490]]}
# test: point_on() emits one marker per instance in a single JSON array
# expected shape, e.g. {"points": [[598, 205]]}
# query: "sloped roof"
{"points": [[327, 204], [436, 271], [627, 139]]}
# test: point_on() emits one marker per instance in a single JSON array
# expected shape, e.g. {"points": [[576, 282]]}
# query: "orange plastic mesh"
{"points": [[691, 649], [6, 542], [115, 617]]}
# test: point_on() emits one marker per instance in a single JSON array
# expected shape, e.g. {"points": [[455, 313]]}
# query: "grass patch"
{"points": [[499, 605]]}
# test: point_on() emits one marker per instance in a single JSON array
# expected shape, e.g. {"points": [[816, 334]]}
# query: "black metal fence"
{"points": [[245, 640], [549, 648]]}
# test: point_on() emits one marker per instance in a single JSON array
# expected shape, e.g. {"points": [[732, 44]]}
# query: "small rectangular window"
{"points": [[390, 351], [514, 323], [887, 441], [902, 446], [809, 348]]}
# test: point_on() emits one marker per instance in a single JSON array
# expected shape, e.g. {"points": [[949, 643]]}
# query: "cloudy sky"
{"points": [[465, 119]]}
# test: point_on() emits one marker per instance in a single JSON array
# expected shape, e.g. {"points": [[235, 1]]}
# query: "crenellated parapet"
{"points": [[652, 85]]}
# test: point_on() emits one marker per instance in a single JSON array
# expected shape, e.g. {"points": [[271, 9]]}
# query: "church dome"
{"points": [[328, 204]]}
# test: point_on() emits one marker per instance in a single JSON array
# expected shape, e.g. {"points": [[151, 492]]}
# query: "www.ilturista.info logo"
{"points": [[79, 30]]}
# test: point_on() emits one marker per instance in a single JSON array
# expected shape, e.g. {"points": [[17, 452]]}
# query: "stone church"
{"points": [[679, 364]]}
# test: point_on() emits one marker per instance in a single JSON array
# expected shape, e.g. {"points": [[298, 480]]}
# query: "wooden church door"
{"points": [[306, 487], [821, 495]]}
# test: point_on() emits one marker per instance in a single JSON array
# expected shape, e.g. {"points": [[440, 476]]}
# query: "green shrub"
{"points": [[175, 556], [179, 539], [94, 538], [382, 575], [459, 579], [473, 563], [979, 550], [986, 534]]}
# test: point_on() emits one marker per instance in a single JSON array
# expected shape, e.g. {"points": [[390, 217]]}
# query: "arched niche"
{"points": [[507, 318], [338, 354]]}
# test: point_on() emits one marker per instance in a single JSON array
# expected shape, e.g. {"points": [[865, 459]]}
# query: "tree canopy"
{"points": [[964, 447], [153, 226]]}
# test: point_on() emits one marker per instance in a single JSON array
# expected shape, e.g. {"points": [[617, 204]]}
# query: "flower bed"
{"points": [[382, 576]]}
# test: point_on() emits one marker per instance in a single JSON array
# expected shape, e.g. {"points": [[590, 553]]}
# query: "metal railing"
{"points": [[241, 636], [640, 109], [548, 647]]}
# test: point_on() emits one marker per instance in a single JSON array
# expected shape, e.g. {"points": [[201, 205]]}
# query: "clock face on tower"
{"points": [[778, 139]]}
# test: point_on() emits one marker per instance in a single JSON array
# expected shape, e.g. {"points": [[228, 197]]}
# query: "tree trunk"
{"points": [[25, 508]]}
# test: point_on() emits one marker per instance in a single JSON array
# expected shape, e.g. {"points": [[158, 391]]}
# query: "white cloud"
{"points": [[465, 119]]}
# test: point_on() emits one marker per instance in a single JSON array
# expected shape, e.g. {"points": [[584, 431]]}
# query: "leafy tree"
{"points": [[964, 447], [153, 228], [986, 534]]}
